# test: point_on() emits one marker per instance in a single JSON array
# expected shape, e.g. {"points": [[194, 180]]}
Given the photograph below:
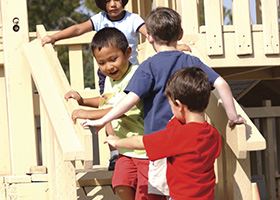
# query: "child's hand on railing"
{"points": [[93, 125], [238, 120], [74, 95], [47, 39]]}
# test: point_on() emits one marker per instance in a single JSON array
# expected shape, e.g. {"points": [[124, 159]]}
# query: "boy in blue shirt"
{"points": [[149, 81]]}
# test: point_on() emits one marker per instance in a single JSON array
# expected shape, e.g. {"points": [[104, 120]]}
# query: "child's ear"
{"points": [[150, 38], [178, 104], [181, 34], [128, 52]]}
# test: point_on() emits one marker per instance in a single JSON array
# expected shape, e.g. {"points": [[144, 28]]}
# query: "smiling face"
{"points": [[112, 61], [114, 9]]}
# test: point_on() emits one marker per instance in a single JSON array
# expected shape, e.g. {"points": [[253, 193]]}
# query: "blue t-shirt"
{"points": [[149, 80]]}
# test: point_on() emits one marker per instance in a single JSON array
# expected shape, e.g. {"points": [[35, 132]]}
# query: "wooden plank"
{"points": [[270, 26], [76, 67], [263, 112], [161, 3], [39, 178], [56, 110], [242, 24], [230, 58], [94, 177], [28, 191], [5, 164], [269, 131], [189, 12], [213, 21], [101, 193], [61, 81], [18, 87], [78, 40], [2, 188], [17, 179]]}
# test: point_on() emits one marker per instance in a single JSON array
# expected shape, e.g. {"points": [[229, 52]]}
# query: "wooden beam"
{"points": [[18, 87], [5, 164], [53, 101], [263, 112]]}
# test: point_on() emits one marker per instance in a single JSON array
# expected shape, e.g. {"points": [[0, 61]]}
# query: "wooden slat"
{"points": [[263, 112], [230, 58], [53, 101], [94, 177], [5, 164], [270, 26], [242, 24], [189, 13], [98, 192], [17, 179], [213, 21], [76, 67], [27, 191], [270, 159], [82, 39], [2, 188], [18, 88], [161, 3]]}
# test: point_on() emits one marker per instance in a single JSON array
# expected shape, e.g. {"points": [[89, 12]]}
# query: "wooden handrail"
{"points": [[53, 101]]}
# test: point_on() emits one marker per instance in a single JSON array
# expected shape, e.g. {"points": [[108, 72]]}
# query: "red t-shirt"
{"points": [[191, 150]]}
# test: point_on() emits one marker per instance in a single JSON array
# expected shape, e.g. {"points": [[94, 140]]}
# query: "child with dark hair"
{"points": [[189, 143], [113, 14], [149, 81], [111, 51]]}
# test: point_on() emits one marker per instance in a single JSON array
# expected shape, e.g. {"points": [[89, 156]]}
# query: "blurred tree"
{"points": [[57, 15]]}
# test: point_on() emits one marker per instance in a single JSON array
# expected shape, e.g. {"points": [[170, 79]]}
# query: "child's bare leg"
{"points": [[125, 192]]}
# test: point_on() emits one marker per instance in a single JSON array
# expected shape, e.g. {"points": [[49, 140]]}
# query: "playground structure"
{"points": [[239, 51]]}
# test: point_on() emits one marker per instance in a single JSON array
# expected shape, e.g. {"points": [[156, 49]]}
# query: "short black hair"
{"points": [[164, 25], [109, 36], [191, 87], [102, 4]]}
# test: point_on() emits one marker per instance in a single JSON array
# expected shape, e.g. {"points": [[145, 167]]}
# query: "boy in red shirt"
{"points": [[189, 143]]}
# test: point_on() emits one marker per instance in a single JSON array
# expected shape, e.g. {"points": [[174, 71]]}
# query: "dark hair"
{"points": [[102, 4], [191, 87], [109, 36], [164, 25]]}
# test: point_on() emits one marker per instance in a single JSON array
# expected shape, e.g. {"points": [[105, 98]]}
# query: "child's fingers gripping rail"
{"points": [[93, 125]]}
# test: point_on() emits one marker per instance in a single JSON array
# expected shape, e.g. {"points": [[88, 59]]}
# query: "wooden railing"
{"points": [[63, 143]]}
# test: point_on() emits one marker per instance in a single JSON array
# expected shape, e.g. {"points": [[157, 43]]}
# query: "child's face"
{"points": [[114, 9], [112, 61]]}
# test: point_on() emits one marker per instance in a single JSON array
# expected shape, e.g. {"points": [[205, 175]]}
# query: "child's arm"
{"points": [[122, 107], [72, 31], [89, 114], [91, 102], [225, 93], [143, 30], [135, 142]]}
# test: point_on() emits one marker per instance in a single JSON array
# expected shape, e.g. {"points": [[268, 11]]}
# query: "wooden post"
{"points": [[270, 159], [5, 164], [18, 87]]}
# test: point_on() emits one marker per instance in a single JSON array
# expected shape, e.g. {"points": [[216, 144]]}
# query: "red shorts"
{"points": [[133, 172]]}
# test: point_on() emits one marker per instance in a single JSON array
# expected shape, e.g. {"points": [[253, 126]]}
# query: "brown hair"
{"points": [[109, 37], [164, 25], [191, 87]]}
